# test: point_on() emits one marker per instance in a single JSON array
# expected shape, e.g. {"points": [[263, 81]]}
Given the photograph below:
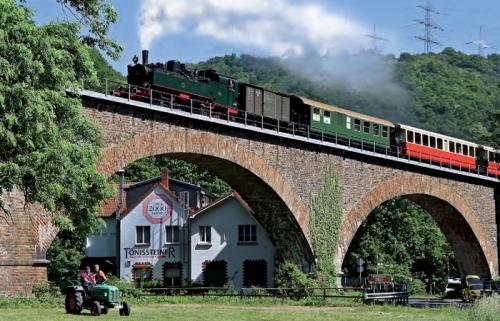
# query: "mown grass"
{"points": [[218, 312]]}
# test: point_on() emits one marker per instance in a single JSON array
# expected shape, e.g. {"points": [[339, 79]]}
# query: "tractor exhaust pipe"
{"points": [[145, 54]]}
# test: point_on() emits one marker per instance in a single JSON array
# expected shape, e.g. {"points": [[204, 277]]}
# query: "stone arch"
{"points": [[456, 218], [237, 165]]}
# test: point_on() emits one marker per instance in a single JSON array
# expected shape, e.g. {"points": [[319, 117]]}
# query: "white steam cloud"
{"points": [[277, 27]]}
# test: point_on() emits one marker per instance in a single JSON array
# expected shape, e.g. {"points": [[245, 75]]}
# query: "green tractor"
{"points": [[99, 299]]}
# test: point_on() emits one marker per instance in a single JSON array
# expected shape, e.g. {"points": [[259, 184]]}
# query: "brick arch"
{"points": [[456, 218], [221, 155]]}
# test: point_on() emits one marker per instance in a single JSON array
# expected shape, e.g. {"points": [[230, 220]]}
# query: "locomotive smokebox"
{"points": [[145, 54]]}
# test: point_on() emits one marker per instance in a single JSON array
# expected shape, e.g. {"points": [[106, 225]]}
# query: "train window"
{"points": [[357, 125], [472, 151], [497, 158], [316, 114], [418, 138], [348, 122], [439, 143], [465, 150], [459, 148], [326, 117], [385, 131], [451, 147], [425, 140], [410, 136], [432, 142], [366, 127], [375, 130]]}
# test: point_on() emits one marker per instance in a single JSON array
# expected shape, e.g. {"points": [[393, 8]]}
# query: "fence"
{"points": [[283, 293], [213, 111], [386, 297]]}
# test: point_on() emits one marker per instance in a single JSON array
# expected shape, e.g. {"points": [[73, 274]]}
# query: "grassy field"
{"points": [[211, 312]]}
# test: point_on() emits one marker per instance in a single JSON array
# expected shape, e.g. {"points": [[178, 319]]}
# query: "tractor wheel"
{"points": [[125, 309], [74, 303], [95, 308]]}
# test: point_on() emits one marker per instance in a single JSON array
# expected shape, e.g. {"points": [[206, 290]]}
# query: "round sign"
{"points": [[157, 209]]}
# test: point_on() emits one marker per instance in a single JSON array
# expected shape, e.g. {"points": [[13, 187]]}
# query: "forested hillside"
{"points": [[451, 92]]}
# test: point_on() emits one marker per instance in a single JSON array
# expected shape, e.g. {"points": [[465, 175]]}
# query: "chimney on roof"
{"points": [[164, 178]]}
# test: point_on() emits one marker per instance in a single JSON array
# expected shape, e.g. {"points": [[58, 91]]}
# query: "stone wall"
{"points": [[25, 234]]}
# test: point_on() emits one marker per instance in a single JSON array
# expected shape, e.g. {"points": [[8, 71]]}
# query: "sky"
{"points": [[195, 30]]}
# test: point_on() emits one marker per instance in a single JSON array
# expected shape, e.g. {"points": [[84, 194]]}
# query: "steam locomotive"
{"points": [[172, 84]]}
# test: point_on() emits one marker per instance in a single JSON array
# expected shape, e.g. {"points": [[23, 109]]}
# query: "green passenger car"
{"points": [[333, 120], [224, 90]]}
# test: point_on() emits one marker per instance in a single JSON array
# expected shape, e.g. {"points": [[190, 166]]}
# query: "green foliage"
{"points": [[486, 309], [326, 217], [97, 16], [65, 254], [408, 243], [49, 289], [149, 167], [289, 276], [49, 147], [128, 289]]}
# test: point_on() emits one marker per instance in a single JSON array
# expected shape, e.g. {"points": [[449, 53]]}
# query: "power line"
{"points": [[480, 42], [429, 27], [375, 39]]}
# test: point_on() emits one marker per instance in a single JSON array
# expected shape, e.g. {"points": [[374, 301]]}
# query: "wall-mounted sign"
{"points": [[157, 209], [132, 253]]}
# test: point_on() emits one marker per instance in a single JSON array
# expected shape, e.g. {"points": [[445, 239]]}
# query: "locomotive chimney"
{"points": [[145, 54]]}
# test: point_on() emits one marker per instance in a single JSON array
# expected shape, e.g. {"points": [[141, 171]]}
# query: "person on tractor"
{"points": [[100, 276], [88, 279]]}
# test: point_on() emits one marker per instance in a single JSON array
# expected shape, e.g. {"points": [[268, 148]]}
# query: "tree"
{"points": [[326, 217], [97, 16], [49, 148], [402, 239]]}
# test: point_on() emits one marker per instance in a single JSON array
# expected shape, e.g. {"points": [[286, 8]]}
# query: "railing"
{"points": [[304, 131], [386, 297], [282, 293]]}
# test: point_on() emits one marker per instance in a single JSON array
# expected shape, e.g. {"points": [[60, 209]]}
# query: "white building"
{"points": [[219, 243]]}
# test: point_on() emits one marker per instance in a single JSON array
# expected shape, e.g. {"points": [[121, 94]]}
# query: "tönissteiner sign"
{"points": [[168, 252], [157, 209]]}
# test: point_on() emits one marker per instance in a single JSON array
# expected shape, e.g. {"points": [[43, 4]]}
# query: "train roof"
{"points": [[445, 137], [354, 114]]}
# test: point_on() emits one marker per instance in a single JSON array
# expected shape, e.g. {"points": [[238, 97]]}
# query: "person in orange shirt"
{"points": [[100, 276]]}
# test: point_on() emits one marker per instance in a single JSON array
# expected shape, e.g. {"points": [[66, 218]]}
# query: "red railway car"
{"points": [[437, 148], [489, 159]]}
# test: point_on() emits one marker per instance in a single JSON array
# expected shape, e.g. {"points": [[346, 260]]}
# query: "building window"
{"points": [[348, 122], [247, 233], [206, 234], [142, 235], [375, 130], [184, 197], [357, 125], [172, 234], [366, 127], [214, 273], [142, 272], [316, 114], [172, 274], [255, 273], [327, 117]]}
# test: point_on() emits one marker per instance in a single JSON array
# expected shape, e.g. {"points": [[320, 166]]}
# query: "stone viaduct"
{"points": [[278, 177]]}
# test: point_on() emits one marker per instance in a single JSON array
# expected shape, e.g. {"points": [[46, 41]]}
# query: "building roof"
{"points": [[221, 200], [108, 207], [146, 194]]}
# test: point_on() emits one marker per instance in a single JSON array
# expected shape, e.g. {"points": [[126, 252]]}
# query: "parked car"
{"points": [[453, 289]]}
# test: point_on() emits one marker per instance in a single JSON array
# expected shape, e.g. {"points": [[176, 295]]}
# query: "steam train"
{"points": [[225, 96]]}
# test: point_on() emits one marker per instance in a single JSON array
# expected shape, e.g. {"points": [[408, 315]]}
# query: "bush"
{"points": [[487, 309], [128, 289], [46, 289], [289, 276]]}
